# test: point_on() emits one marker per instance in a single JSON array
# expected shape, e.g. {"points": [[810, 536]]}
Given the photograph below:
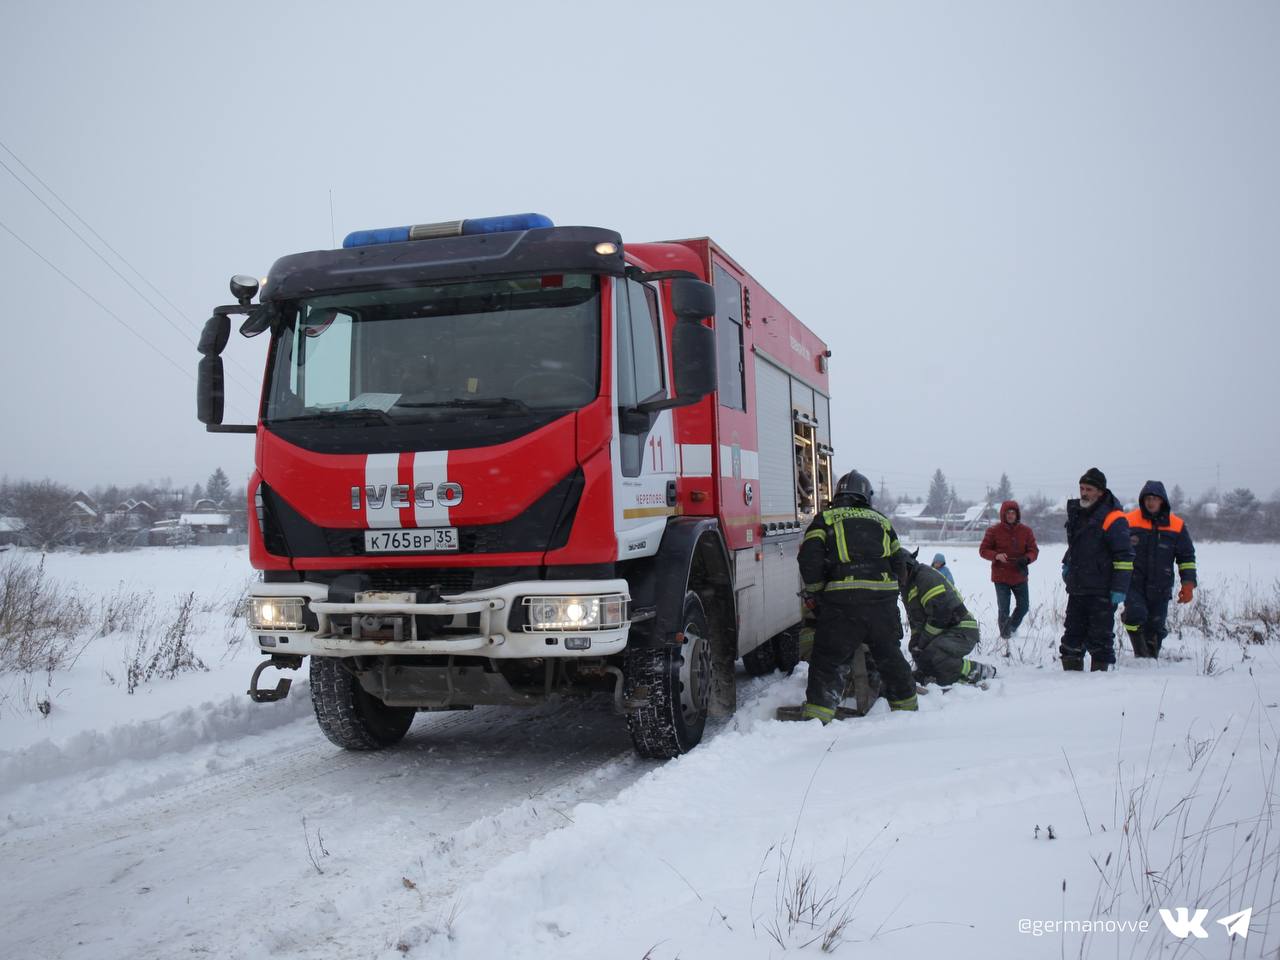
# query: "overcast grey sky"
{"points": [[1037, 236]]}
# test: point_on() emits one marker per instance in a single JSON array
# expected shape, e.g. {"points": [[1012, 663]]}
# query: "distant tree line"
{"points": [[1236, 515], [45, 514]]}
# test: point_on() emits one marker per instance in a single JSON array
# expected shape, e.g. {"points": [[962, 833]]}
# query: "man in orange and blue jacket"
{"points": [[1096, 569], [1160, 541]]}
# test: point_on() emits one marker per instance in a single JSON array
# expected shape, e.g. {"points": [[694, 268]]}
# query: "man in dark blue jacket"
{"points": [[1160, 541], [1096, 569]]}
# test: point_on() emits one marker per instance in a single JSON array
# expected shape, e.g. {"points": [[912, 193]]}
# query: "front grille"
{"points": [[446, 581], [544, 525]]}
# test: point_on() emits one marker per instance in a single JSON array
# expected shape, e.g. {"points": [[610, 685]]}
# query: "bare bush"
{"points": [[40, 619], [1183, 850], [164, 650], [1217, 618], [123, 611], [809, 907]]}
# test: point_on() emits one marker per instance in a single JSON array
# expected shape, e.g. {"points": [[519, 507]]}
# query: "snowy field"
{"points": [[1050, 816]]}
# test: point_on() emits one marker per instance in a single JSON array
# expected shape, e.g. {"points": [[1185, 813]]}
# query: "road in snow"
{"points": [[170, 823], [213, 858]]}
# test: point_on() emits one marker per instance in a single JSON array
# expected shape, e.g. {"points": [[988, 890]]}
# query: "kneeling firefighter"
{"points": [[943, 632], [851, 563]]}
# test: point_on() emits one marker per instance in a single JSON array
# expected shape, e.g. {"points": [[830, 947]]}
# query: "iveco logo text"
{"points": [[402, 495], [801, 349]]}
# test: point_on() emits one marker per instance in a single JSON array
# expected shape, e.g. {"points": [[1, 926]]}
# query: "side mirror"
{"points": [[692, 299], [693, 357], [213, 340], [209, 389]]}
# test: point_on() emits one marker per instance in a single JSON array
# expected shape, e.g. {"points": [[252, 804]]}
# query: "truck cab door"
{"points": [[644, 454]]}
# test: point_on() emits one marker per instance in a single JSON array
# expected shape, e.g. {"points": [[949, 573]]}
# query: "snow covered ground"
{"points": [[182, 819]]}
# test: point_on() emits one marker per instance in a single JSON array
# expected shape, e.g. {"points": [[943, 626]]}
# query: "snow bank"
{"points": [[186, 729]]}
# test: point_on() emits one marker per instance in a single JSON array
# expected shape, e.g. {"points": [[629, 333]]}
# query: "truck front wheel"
{"points": [[348, 715], [674, 681]]}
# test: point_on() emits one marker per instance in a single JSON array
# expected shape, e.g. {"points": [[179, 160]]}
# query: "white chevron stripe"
{"points": [[380, 473], [431, 467]]}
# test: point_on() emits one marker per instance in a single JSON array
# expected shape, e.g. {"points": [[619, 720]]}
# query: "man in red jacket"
{"points": [[1011, 547]]}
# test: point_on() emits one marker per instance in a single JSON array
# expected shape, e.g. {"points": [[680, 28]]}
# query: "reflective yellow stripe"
{"points": [[1133, 627], [933, 631], [911, 703], [862, 585], [929, 595], [911, 594], [965, 667], [818, 534], [815, 587], [968, 624], [814, 711], [1187, 566], [1122, 564], [842, 547], [894, 547]]}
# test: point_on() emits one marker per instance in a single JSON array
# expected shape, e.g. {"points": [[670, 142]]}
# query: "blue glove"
{"points": [[1117, 598], [1064, 573]]}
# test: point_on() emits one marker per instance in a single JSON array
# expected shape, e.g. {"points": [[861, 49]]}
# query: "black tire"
{"points": [[675, 683], [349, 716], [786, 649], [762, 660]]}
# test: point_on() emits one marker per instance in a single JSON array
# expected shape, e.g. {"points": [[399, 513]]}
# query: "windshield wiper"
{"points": [[475, 403], [335, 416]]}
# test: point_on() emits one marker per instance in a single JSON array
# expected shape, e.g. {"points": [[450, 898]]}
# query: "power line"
{"points": [[186, 371], [97, 254]]}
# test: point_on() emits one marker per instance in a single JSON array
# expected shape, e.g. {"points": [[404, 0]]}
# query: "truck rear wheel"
{"points": [[762, 660], [675, 683], [348, 715], [786, 648]]}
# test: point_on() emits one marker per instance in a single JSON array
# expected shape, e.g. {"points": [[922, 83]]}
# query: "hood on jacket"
{"points": [[910, 563], [1157, 488], [1011, 505]]}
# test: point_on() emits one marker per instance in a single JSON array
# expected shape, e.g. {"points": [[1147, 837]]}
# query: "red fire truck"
{"points": [[499, 461]]}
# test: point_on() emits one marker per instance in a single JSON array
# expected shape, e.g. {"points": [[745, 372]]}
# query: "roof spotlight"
{"points": [[244, 288]]}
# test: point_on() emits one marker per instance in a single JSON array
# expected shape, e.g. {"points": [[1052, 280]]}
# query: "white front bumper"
{"points": [[491, 639]]}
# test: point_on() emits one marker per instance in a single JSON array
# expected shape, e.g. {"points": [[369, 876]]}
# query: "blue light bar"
{"points": [[507, 224], [368, 238], [457, 228]]}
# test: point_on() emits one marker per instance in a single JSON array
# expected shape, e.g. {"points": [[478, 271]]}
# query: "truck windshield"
{"points": [[494, 348]]}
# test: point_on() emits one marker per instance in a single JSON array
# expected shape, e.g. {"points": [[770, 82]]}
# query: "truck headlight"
{"points": [[545, 614], [268, 614]]}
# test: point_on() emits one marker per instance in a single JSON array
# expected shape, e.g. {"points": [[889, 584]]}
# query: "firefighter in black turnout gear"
{"points": [[851, 564], [943, 631]]}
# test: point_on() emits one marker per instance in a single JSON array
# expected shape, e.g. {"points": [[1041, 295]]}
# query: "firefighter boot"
{"points": [[1097, 666], [1138, 637], [1072, 663], [975, 672], [811, 711], [910, 703]]}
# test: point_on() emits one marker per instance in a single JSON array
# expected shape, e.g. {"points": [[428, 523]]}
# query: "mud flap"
{"points": [[259, 695]]}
